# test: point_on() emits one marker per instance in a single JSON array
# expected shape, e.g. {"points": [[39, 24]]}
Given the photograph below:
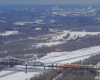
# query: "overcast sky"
{"points": [[49, 1]]}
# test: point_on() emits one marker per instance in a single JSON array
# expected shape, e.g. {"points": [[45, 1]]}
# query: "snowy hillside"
{"points": [[61, 37]]}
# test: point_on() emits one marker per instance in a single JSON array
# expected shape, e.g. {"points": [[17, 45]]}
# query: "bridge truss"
{"points": [[9, 60]]}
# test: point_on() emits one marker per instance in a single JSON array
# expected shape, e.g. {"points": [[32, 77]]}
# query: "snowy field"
{"points": [[71, 56], [18, 73], [60, 37]]}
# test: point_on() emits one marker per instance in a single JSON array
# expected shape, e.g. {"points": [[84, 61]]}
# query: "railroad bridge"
{"points": [[9, 60]]}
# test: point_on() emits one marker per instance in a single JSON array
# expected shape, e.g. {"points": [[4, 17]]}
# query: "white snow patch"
{"points": [[28, 22], [38, 28], [19, 76], [4, 72], [5, 52], [48, 44], [23, 23], [39, 20], [3, 17], [60, 75], [7, 33], [2, 21], [53, 30], [97, 18]]}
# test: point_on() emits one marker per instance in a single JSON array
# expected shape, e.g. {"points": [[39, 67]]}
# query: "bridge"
{"points": [[12, 61], [9, 60]]}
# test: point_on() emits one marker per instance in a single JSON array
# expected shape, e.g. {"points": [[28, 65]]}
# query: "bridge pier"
{"points": [[8, 66], [97, 75], [52, 67], [25, 68], [44, 70], [56, 66], [0, 67], [34, 68]]}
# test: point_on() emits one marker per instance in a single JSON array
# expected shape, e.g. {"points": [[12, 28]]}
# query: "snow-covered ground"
{"points": [[71, 56], [7, 33], [18, 73], [60, 37], [38, 28], [23, 23], [75, 34], [28, 22], [2, 21], [48, 44]]}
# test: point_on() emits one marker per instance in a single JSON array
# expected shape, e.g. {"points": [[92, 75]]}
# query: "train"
{"points": [[78, 66]]}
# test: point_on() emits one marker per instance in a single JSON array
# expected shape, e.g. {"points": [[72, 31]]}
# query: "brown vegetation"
{"points": [[68, 74]]}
